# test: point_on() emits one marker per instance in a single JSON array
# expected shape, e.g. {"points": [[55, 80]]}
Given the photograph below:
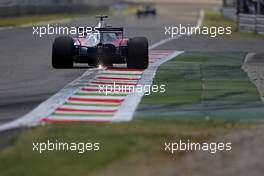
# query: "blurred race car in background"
{"points": [[146, 9], [103, 46]]}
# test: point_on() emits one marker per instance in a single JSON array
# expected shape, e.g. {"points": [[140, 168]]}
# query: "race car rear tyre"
{"points": [[137, 56], [63, 52]]}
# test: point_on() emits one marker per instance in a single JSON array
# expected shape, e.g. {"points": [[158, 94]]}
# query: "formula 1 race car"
{"points": [[104, 46], [146, 9]]}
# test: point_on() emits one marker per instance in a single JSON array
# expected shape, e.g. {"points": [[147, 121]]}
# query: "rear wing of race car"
{"points": [[117, 30], [111, 29]]}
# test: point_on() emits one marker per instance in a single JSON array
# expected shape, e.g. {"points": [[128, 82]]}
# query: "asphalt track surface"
{"points": [[26, 75]]}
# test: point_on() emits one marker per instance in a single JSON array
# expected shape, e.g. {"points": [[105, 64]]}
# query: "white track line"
{"points": [[90, 107], [90, 103], [50, 105], [166, 40], [80, 119]]}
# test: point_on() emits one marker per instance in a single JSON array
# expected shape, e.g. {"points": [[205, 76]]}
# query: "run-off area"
{"points": [[204, 85]]}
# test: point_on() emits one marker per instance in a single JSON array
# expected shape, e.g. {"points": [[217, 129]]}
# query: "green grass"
{"points": [[203, 85], [16, 21], [215, 18], [186, 75], [118, 143]]}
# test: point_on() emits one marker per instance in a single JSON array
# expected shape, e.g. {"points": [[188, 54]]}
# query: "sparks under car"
{"points": [[105, 46]]}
